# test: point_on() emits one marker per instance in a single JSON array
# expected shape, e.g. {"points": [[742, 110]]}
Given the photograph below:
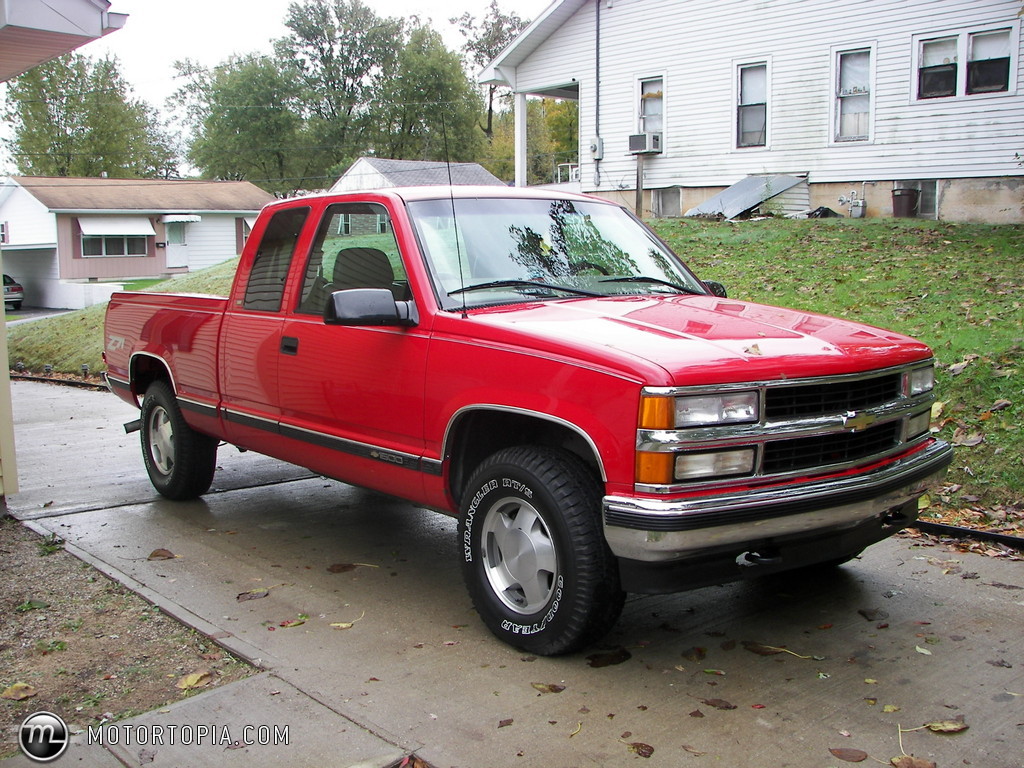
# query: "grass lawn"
{"points": [[958, 287]]}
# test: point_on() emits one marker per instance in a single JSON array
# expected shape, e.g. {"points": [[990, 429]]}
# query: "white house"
{"points": [[859, 99], [381, 173], [70, 240]]}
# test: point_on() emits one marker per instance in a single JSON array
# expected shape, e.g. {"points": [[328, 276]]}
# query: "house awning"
{"points": [[116, 225], [180, 218]]}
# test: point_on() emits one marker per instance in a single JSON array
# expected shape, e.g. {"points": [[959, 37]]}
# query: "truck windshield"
{"points": [[488, 251]]}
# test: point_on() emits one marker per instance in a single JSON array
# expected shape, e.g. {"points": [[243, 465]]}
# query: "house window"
{"points": [[988, 63], [114, 245], [936, 76], [853, 96], [752, 111], [652, 106], [989, 57], [3, 232], [175, 233]]}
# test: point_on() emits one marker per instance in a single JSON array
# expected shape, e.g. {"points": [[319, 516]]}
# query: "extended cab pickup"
{"points": [[542, 367]]}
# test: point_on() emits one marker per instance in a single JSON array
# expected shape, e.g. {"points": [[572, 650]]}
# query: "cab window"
{"points": [[355, 247]]}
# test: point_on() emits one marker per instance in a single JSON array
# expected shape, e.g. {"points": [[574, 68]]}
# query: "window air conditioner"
{"points": [[644, 143]]}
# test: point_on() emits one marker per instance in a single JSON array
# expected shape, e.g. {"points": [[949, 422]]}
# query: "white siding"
{"points": [[697, 45], [29, 223], [211, 240]]}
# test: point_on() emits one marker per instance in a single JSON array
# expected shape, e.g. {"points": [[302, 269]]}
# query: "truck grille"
{"points": [[825, 450], [835, 397]]}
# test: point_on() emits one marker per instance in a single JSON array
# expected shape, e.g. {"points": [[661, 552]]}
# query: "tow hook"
{"points": [[749, 559], [133, 426]]}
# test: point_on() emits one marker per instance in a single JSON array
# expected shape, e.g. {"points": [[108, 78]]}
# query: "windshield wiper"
{"points": [[536, 286], [652, 281]]}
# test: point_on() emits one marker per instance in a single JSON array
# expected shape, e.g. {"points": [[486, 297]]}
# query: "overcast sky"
{"points": [[160, 32], [208, 31]]}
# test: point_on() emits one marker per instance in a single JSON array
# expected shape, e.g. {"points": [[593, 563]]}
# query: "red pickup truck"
{"points": [[542, 367]]}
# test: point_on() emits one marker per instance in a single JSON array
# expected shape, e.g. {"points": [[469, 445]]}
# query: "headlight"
{"points": [[710, 410], [921, 380], [696, 466]]}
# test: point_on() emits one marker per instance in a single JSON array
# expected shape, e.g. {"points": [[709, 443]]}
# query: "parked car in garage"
{"points": [[14, 294]]}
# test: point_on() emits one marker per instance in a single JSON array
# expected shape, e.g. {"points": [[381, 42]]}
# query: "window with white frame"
{"points": [[652, 106], [989, 57], [853, 95], [113, 245], [3, 231], [752, 109]]}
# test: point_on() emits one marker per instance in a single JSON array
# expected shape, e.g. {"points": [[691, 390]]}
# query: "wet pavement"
{"points": [[769, 674]]}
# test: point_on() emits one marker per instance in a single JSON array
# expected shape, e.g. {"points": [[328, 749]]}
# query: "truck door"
{"points": [[250, 344], [354, 395]]}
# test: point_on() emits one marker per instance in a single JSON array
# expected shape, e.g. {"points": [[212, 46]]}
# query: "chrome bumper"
{"points": [[663, 530]]}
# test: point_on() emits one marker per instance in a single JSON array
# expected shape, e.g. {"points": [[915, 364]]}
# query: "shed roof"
{"points": [[412, 173], [92, 194]]}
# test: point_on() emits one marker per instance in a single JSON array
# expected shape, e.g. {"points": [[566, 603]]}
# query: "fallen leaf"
{"points": [[873, 614], [616, 656], [925, 651], [548, 687], [693, 751], [695, 654], [194, 680], [1000, 663], [849, 755], [292, 623], [146, 756], [640, 749], [252, 594], [718, 704], [753, 349], [696, 713], [760, 650], [161, 554], [718, 672], [505, 723], [956, 725], [347, 624], [18, 692], [890, 708], [909, 761]]}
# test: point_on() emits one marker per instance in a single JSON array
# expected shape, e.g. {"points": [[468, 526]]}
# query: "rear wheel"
{"points": [[179, 460], [535, 561]]}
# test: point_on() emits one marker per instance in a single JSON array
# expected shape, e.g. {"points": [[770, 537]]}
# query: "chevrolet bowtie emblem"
{"points": [[857, 422]]}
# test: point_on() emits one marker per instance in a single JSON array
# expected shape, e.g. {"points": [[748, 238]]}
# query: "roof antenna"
{"points": [[455, 219]]}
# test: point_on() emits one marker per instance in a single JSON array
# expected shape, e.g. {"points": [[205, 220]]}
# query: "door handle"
{"points": [[289, 345]]}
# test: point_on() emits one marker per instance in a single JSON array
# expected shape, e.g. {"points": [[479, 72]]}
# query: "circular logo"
{"points": [[43, 737]]}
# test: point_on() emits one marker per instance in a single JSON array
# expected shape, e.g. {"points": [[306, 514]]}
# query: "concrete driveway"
{"points": [[773, 673]]}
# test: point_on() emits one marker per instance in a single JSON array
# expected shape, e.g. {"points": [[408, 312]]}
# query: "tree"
{"points": [[340, 51], [74, 117], [540, 160], [428, 110], [484, 41], [246, 124]]}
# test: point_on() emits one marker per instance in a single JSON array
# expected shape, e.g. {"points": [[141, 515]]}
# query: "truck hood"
{"points": [[679, 340]]}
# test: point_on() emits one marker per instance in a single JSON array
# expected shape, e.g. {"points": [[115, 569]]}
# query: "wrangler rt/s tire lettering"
{"points": [[534, 557], [179, 460]]}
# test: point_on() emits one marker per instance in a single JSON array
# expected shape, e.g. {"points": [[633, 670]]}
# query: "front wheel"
{"points": [[535, 560], [179, 460]]}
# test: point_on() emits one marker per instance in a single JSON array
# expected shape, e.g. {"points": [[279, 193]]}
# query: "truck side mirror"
{"points": [[717, 289], [368, 306]]}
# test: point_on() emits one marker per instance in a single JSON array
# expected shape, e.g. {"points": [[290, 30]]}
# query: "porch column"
{"points": [[8, 465], [520, 139]]}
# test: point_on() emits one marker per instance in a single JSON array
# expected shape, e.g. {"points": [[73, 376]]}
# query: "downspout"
{"points": [[599, 154]]}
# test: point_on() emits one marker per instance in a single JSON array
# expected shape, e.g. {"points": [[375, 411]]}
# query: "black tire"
{"points": [[179, 460], [535, 560]]}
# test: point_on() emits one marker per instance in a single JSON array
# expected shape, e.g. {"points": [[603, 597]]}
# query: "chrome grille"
{"points": [[834, 397], [826, 450]]}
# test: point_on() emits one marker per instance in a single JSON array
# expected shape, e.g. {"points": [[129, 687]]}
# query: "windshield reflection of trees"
{"points": [[576, 245]]}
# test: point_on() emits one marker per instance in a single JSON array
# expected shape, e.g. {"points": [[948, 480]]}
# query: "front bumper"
{"points": [[662, 531]]}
